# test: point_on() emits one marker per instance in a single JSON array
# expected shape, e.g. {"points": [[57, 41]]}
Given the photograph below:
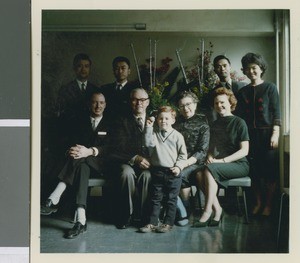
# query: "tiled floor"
{"points": [[233, 236]]}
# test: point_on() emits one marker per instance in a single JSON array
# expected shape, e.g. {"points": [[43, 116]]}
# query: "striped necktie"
{"points": [[140, 123]]}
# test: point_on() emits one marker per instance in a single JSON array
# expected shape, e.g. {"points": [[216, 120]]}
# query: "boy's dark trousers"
{"points": [[164, 183]]}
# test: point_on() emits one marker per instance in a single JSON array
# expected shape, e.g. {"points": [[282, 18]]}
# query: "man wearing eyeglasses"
{"points": [[117, 93], [129, 163]]}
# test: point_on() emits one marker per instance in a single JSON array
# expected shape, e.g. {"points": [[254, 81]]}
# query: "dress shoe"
{"points": [[77, 229], [203, 224], [217, 222], [48, 208], [123, 224], [164, 228], [148, 228]]}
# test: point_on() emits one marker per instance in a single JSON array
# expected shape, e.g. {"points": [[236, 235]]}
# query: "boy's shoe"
{"points": [[164, 228], [148, 228]]}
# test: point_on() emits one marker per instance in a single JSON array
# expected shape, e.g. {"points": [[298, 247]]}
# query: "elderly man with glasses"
{"points": [[128, 163]]}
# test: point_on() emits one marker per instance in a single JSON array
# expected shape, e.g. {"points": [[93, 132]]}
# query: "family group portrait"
{"points": [[163, 131]]}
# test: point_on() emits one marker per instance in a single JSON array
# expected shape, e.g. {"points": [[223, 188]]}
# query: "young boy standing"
{"points": [[168, 157]]}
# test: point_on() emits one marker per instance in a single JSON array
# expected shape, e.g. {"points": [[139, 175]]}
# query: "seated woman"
{"points": [[195, 130], [228, 148]]}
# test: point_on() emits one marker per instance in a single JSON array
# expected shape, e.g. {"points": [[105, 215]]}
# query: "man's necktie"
{"points": [[82, 88], [140, 123], [119, 87], [163, 133], [94, 124]]}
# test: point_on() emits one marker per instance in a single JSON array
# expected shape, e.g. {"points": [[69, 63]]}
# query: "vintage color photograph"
{"points": [[163, 131]]}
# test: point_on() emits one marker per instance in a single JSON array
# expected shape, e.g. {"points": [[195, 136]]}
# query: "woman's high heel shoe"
{"points": [[203, 224], [215, 222]]}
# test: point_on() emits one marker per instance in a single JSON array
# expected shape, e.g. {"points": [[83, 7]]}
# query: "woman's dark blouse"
{"points": [[195, 131], [259, 105], [226, 135]]}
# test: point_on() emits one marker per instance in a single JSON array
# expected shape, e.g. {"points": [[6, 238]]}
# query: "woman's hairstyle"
{"points": [[224, 91], [166, 109], [251, 58], [187, 94]]}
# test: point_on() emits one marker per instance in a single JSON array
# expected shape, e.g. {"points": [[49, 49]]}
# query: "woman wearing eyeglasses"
{"points": [[195, 130]]}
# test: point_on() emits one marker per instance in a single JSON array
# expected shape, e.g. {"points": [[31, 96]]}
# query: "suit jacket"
{"points": [[71, 100], [72, 106], [127, 140], [117, 102], [86, 136]]}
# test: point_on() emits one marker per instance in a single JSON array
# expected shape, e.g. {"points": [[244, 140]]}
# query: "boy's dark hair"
{"points": [[252, 58], [217, 58], [81, 56], [120, 59]]}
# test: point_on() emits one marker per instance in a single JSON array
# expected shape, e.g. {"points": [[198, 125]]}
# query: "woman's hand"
{"points": [[214, 160], [274, 141], [209, 159], [275, 137]]}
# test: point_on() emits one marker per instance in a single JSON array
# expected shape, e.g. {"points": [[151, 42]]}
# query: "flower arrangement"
{"points": [[158, 89], [199, 78], [158, 98]]}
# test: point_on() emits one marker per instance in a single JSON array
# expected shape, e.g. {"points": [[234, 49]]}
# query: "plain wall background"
{"points": [[105, 34]]}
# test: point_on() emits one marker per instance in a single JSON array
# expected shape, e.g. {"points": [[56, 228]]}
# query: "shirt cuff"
{"points": [[95, 151]]}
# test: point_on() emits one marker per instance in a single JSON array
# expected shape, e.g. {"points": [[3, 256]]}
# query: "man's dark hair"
{"points": [[252, 58], [120, 59], [217, 58], [81, 56]]}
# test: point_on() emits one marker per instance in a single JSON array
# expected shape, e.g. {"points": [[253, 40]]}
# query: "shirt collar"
{"points": [[143, 117], [80, 82], [97, 119], [122, 84]]}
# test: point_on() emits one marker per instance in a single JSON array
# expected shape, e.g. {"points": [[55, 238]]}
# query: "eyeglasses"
{"points": [[185, 105], [142, 100]]}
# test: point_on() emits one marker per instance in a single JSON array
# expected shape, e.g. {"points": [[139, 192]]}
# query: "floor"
{"points": [[233, 236]]}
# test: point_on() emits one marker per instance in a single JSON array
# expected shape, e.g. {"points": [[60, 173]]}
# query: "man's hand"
{"points": [[142, 162], [79, 151]]}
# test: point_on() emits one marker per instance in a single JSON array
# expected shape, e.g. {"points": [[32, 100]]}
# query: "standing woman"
{"points": [[259, 107], [228, 148], [195, 130]]}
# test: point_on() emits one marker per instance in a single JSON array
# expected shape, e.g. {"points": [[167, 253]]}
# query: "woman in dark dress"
{"points": [[195, 130], [259, 106], [228, 148]]}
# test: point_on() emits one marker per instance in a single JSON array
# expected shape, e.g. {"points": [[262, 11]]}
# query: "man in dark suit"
{"points": [[117, 93], [72, 98], [129, 163], [222, 67], [85, 159]]}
